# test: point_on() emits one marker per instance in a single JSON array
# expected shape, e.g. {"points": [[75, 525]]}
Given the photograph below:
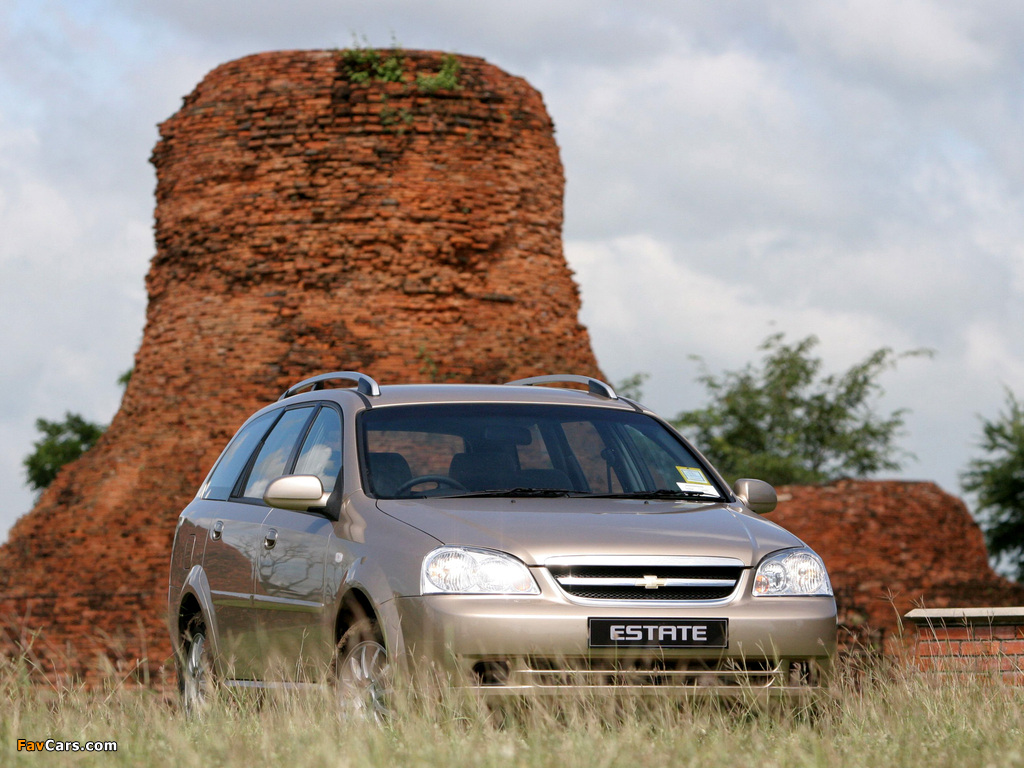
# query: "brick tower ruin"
{"points": [[397, 213]]}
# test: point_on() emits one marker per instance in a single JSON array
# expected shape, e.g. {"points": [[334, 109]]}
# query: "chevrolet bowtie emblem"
{"points": [[650, 581]]}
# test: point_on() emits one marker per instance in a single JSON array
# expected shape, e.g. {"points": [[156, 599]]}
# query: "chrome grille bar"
{"points": [[595, 581]]}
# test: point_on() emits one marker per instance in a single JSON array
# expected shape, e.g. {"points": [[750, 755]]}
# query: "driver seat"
{"points": [[388, 472], [483, 471]]}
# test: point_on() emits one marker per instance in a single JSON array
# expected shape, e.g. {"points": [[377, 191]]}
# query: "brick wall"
{"points": [[891, 546], [979, 641], [304, 222]]}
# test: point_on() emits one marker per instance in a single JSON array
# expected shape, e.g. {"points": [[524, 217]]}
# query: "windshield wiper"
{"points": [[661, 493], [549, 493]]}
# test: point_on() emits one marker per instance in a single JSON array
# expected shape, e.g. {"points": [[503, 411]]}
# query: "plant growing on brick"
{"points": [[447, 79], [365, 64]]}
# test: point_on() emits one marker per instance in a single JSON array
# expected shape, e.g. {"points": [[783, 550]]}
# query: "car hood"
{"points": [[535, 530]]}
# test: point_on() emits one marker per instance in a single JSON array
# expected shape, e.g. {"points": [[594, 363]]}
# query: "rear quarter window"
{"points": [[231, 463]]}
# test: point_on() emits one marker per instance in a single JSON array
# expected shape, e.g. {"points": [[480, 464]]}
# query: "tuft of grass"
{"points": [[870, 718]]}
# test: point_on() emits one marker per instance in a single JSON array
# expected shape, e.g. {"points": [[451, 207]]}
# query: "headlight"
{"points": [[463, 570], [791, 573]]}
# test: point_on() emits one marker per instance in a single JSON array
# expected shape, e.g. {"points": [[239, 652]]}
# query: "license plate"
{"points": [[659, 633]]}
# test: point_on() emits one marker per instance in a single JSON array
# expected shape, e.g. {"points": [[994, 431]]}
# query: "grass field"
{"points": [[872, 720]]}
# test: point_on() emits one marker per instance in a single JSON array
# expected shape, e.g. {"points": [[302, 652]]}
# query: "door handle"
{"points": [[270, 539], [218, 530]]}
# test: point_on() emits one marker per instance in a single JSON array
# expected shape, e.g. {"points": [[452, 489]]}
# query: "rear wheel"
{"points": [[363, 673], [195, 678]]}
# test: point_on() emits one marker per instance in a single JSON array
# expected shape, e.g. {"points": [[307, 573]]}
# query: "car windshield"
{"points": [[476, 449]]}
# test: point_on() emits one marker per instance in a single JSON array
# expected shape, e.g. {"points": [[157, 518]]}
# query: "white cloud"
{"points": [[993, 351], [911, 44], [639, 292]]}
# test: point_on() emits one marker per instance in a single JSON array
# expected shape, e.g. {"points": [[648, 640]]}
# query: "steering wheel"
{"points": [[408, 485]]}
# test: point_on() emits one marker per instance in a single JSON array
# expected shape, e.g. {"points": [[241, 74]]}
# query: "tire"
{"points": [[363, 673], [195, 672]]}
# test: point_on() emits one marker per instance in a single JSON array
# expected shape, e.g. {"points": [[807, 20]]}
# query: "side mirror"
{"points": [[298, 492], [756, 494]]}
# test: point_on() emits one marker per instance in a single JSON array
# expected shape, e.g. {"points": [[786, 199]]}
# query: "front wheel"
{"points": [[363, 673]]}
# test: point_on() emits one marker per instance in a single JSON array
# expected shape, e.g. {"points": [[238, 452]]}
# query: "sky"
{"points": [[852, 170]]}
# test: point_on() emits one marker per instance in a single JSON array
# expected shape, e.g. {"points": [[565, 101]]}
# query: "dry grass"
{"points": [[870, 719]]}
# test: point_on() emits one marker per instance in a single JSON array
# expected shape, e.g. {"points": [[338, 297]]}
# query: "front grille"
{"points": [[647, 582]]}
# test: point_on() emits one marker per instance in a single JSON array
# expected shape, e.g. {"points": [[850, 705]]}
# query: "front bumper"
{"points": [[510, 645]]}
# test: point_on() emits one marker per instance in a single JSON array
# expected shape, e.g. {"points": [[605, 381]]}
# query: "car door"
{"points": [[296, 637], [230, 554], [233, 552], [232, 533]]}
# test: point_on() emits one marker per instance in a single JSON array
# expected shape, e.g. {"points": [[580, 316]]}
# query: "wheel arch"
{"points": [[194, 600], [188, 609], [355, 606]]}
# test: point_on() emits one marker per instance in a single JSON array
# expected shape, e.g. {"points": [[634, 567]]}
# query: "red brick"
{"points": [[940, 633], [1011, 663], [979, 648], [984, 663], [938, 648], [1012, 647]]}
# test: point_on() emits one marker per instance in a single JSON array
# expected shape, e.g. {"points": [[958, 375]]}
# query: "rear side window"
{"points": [[272, 460], [235, 457]]}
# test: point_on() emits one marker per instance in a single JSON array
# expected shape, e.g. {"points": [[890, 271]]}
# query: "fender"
{"points": [[369, 579], [197, 585], [359, 567]]}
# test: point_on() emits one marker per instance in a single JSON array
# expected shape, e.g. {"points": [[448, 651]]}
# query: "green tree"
{"points": [[61, 443], [784, 422], [998, 481]]}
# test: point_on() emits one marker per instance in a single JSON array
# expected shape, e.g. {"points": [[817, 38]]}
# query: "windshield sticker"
{"points": [[693, 475], [703, 488]]}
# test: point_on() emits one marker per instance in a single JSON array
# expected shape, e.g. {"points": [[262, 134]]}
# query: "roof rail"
{"points": [[364, 384], [594, 386]]}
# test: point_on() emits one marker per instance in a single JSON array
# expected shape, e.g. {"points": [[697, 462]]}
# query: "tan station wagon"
{"points": [[512, 538]]}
